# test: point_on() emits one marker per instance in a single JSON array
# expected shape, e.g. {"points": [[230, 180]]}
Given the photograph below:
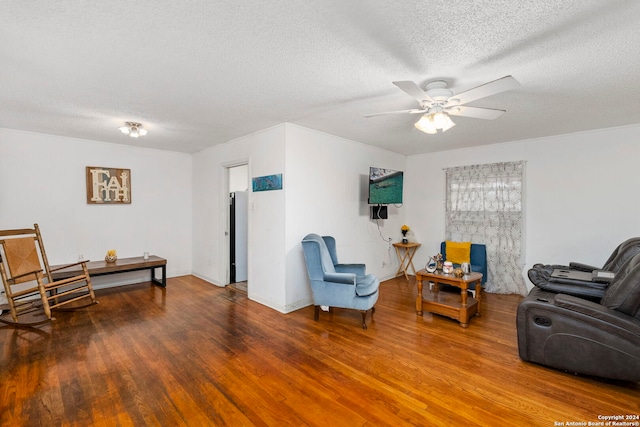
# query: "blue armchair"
{"points": [[478, 259], [334, 284]]}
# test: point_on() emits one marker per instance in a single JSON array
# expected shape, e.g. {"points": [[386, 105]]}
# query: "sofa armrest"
{"points": [[582, 267], [598, 311], [346, 278], [357, 269]]}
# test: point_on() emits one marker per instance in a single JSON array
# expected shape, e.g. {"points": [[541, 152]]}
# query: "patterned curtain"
{"points": [[484, 205]]}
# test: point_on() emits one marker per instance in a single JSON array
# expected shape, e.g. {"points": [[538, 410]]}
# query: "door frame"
{"points": [[225, 217]]}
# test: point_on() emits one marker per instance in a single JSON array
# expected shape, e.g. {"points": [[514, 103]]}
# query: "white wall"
{"points": [[264, 153], [580, 201], [326, 193], [581, 193], [42, 180]]}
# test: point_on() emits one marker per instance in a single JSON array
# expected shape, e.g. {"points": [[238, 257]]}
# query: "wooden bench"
{"points": [[121, 265]]}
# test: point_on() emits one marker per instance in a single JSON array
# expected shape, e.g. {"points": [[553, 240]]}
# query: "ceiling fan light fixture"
{"points": [[133, 129], [430, 123], [439, 120], [448, 123], [426, 125]]}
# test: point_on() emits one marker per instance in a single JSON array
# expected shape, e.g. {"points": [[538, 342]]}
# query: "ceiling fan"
{"points": [[437, 102]]}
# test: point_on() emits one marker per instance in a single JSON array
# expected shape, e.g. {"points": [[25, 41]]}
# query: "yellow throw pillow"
{"points": [[458, 252]]}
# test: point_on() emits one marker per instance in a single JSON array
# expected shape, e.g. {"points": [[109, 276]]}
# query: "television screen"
{"points": [[385, 186]]}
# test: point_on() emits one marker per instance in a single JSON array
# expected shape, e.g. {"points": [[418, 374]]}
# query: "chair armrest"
{"points": [[582, 267], [357, 269], [70, 265], [598, 311], [13, 278], [347, 278]]}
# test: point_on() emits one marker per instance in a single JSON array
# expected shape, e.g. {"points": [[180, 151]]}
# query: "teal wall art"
{"points": [[267, 183]]}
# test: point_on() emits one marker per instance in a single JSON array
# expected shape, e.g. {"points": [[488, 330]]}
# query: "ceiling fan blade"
{"points": [[412, 111], [487, 89], [475, 112], [414, 91]]}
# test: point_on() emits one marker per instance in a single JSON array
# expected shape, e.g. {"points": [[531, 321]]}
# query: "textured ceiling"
{"points": [[198, 73]]}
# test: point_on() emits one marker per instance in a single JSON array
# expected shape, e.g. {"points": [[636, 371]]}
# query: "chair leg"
{"points": [[43, 296], [89, 285], [316, 314], [364, 318]]}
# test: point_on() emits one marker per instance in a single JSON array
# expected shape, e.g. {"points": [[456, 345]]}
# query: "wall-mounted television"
{"points": [[385, 186]]}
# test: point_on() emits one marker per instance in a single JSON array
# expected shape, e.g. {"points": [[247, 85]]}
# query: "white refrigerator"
{"points": [[238, 236]]}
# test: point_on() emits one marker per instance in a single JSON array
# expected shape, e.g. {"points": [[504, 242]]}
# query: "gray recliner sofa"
{"points": [[585, 337]]}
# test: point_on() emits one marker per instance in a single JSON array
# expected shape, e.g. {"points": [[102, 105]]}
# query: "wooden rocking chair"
{"points": [[28, 284]]}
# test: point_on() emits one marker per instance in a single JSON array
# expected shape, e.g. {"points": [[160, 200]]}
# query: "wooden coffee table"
{"points": [[460, 307]]}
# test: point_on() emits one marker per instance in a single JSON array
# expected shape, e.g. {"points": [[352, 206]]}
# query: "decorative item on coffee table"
{"points": [[431, 266], [111, 256], [447, 267], [438, 258]]}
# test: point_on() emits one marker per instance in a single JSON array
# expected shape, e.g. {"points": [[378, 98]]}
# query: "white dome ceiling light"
{"points": [[133, 129]]}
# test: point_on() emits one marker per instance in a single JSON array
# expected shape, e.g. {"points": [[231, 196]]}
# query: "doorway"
{"points": [[238, 226]]}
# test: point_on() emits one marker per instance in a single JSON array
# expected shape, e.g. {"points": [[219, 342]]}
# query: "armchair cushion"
{"points": [[613, 318], [458, 252]]}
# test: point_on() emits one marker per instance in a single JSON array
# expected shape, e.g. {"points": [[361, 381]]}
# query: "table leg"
{"points": [[163, 281], [463, 308], [410, 261], [405, 262], [478, 295], [419, 297], [400, 260]]}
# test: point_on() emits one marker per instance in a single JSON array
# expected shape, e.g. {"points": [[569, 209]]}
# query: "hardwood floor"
{"points": [[198, 355]]}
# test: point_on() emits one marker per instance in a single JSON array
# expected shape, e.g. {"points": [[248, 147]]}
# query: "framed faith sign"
{"points": [[108, 185]]}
